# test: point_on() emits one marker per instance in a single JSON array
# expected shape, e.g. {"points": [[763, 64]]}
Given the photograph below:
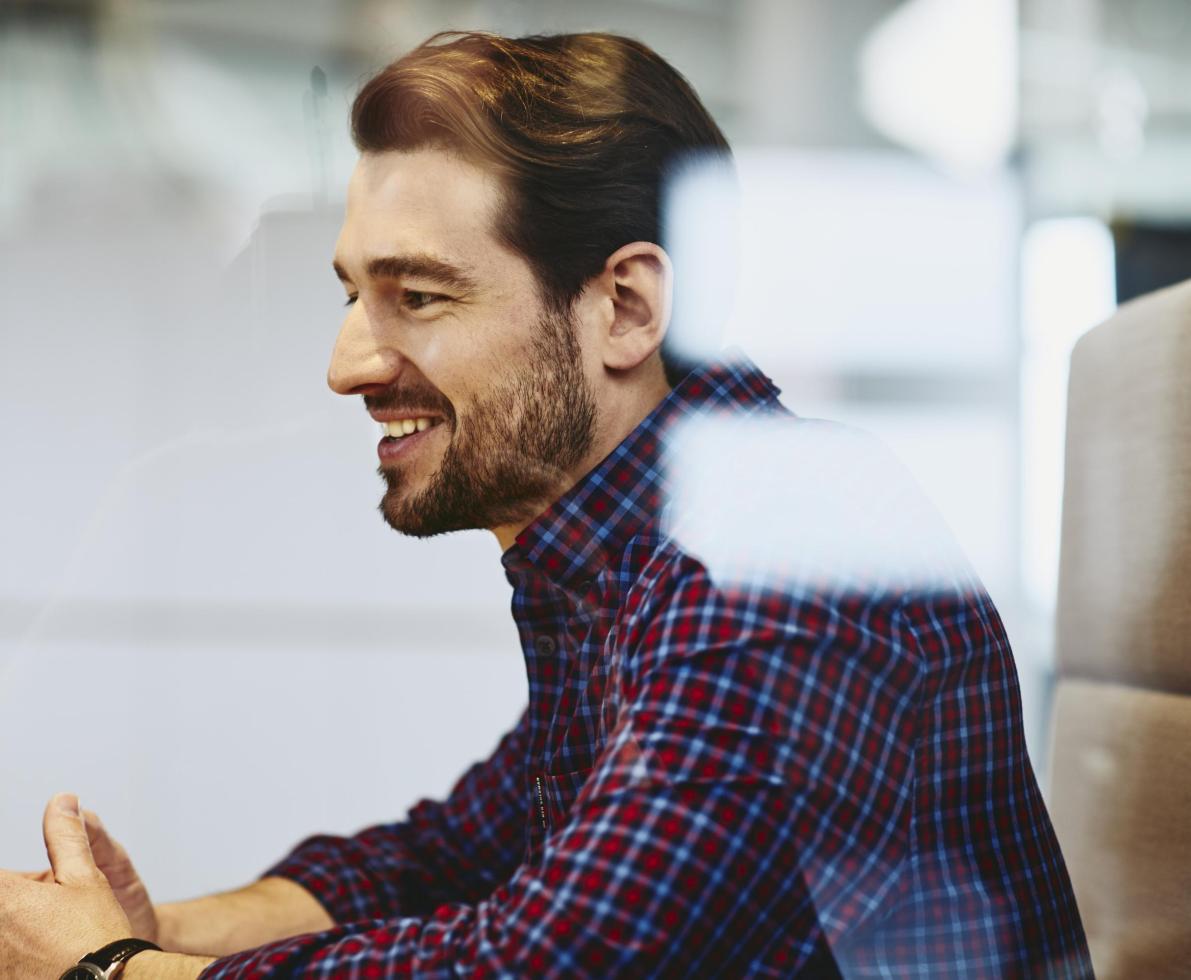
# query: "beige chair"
{"points": [[1121, 758]]}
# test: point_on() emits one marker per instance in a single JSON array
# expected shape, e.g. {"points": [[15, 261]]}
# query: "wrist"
{"points": [[167, 923], [164, 966], [108, 961]]}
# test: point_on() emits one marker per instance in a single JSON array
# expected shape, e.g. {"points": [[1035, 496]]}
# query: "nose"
{"points": [[361, 362]]}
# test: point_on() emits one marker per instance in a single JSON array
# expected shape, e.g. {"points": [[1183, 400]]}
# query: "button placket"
{"points": [[540, 790]]}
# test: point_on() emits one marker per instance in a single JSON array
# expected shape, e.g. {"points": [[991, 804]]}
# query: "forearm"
{"points": [[267, 910], [165, 966]]}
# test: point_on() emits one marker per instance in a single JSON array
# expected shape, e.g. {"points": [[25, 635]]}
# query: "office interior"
{"points": [[939, 199]]}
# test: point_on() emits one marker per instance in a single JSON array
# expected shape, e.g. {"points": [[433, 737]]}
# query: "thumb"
{"points": [[66, 841]]}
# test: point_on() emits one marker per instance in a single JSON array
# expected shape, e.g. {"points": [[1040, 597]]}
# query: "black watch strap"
{"points": [[118, 952]]}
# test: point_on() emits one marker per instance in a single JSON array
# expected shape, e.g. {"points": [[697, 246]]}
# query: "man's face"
{"points": [[445, 326]]}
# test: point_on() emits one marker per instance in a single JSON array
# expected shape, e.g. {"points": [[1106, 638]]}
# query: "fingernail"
{"points": [[68, 803]]}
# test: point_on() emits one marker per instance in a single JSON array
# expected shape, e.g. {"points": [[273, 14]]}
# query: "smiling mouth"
{"points": [[407, 427], [403, 436]]}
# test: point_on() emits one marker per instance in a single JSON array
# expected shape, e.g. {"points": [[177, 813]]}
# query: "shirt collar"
{"points": [[574, 538]]}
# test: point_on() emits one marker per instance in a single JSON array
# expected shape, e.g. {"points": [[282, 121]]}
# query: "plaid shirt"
{"points": [[712, 780]]}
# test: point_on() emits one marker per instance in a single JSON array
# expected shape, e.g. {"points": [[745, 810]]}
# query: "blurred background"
{"points": [[939, 197]]}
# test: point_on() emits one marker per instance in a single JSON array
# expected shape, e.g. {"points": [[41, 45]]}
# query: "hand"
{"points": [[117, 867], [47, 926]]}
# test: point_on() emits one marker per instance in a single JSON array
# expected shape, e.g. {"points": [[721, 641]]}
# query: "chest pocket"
{"points": [[556, 794]]}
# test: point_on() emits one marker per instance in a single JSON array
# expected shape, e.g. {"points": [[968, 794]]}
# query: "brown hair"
{"points": [[583, 128]]}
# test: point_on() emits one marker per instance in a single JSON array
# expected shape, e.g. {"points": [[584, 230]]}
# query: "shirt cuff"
{"points": [[343, 889]]}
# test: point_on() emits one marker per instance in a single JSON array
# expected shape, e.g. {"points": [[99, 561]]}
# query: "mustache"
{"points": [[409, 399]]}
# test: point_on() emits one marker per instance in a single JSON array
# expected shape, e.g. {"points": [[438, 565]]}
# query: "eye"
{"points": [[351, 301], [417, 299]]}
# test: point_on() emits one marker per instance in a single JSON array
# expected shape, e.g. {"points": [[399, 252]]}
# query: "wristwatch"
{"points": [[104, 963]]}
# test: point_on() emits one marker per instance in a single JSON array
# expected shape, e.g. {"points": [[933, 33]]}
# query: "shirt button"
{"points": [[545, 646]]}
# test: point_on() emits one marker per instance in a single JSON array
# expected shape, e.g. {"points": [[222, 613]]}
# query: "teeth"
{"points": [[404, 427]]}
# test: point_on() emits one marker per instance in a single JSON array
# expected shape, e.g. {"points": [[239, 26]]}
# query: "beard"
{"points": [[515, 450]]}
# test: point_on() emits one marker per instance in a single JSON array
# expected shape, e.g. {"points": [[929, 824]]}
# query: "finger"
{"points": [[112, 859], [66, 841]]}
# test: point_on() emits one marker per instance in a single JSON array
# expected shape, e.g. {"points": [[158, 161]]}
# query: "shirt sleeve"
{"points": [[752, 801], [456, 850]]}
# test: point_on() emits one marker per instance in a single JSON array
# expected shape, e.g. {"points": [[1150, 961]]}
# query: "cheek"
{"points": [[478, 361]]}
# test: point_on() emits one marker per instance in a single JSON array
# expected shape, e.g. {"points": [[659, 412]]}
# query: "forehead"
{"points": [[424, 201]]}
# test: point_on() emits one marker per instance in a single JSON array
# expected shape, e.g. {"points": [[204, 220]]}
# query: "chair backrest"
{"points": [[1121, 743]]}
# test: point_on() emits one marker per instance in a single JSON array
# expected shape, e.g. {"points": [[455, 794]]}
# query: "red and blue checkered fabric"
{"points": [[712, 780]]}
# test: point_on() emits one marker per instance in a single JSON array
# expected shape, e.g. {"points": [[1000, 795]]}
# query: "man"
{"points": [[795, 773]]}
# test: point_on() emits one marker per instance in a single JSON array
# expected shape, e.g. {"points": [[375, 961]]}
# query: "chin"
{"points": [[395, 510], [407, 518]]}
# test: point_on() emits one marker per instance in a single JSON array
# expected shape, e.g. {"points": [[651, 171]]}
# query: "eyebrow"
{"points": [[414, 266]]}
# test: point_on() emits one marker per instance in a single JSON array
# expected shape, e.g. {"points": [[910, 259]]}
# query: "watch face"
{"points": [[84, 971]]}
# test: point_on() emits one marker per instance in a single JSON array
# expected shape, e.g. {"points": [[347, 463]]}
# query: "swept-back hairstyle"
{"points": [[583, 129]]}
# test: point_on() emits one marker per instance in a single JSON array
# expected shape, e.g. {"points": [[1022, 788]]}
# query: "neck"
{"points": [[623, 410]]}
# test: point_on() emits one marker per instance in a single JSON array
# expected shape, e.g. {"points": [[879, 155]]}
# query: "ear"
{"points": [[633, 297]]}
